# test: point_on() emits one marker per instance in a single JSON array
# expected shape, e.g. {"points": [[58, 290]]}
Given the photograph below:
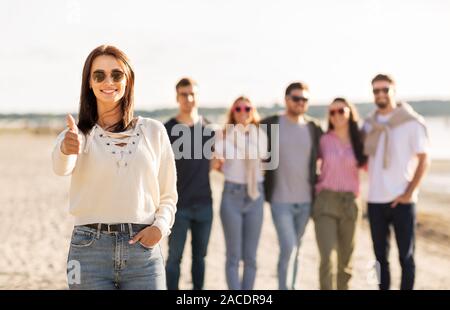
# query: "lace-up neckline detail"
{"points": [[120, 145]]}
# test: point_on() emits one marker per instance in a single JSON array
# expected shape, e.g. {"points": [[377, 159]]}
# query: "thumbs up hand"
{"points": [[72, 140]]}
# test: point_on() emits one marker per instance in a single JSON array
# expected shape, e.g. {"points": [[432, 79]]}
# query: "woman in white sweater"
{"points": [[123, 187], [239, 152]]}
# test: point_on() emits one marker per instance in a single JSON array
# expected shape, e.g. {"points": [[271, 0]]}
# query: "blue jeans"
{"points": [[105, 261], [197, 218], [403, 218], [241, 220], [290, 221]]}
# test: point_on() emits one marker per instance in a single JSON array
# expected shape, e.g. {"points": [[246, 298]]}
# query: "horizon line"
{"points": [[214, 106]]}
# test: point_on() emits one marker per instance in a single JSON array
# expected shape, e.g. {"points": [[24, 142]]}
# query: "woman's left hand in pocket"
{"points": [[148, 237]]}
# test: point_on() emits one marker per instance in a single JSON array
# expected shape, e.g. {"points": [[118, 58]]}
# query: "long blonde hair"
{"points": [[254, 115]]}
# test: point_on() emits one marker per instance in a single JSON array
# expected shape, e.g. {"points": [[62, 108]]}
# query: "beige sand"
{"points": [[36, 227]]}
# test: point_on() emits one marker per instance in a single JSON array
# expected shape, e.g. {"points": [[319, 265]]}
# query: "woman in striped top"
{"points": [[335, 210]]}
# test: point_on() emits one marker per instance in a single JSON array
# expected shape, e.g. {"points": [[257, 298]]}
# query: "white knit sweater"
{"points": [[131, 184]]}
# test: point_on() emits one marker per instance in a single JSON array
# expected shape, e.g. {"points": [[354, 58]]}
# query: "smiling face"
{"points": [[242, 112], [297, 102], [384, 94], [108, 80], [339, 114]]}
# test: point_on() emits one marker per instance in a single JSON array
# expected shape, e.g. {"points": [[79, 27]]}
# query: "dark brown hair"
{"points": [[185, 82], [296, 85], [383, 77], [88, 114], [356, 136]]}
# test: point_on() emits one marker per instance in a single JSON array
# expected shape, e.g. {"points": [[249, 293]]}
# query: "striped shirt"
{"points": [[339, 169]]}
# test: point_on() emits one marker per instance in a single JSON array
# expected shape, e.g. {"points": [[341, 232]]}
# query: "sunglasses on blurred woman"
{"points": [[339, 111], [240, 109]]}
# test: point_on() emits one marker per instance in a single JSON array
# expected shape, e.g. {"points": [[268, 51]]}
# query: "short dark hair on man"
{"points": [[296, 85], [383, 77], [185, 82]]}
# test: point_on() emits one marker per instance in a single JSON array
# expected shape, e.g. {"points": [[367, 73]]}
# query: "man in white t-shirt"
{"points": [[397, 146]]}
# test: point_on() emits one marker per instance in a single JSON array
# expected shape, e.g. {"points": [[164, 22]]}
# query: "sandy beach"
{"points": [[36, 228]]}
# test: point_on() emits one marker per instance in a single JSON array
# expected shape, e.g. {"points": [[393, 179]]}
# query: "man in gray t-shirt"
{"points": [[292, 176], [289, 187]]}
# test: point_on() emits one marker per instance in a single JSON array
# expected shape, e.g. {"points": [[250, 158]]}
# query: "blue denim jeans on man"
{"points": [[290, 221], [198, 219]]}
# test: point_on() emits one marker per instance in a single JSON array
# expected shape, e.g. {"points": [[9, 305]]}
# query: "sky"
{"points": [[231, 48]]}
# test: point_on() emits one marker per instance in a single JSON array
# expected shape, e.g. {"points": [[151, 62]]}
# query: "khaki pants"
{"points": [[335, 216]]}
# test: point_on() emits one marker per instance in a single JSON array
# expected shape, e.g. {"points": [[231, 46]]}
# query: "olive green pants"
{"points": [[335, 217]]}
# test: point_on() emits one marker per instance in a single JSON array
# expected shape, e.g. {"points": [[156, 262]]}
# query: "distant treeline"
{"points": [[425, 108]]}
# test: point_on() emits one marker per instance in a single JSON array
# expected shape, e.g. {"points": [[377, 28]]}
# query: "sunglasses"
{"points": [[376, 91], [246, 108], [298, 99], [186, 94], [340, 111], [116, 75]]}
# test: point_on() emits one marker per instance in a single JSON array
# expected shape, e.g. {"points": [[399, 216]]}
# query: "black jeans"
{"points": [[403, 218], [197, 219]]}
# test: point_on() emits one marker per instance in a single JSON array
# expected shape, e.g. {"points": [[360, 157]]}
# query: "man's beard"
{"points": [[296, 112], [382, 105]]}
